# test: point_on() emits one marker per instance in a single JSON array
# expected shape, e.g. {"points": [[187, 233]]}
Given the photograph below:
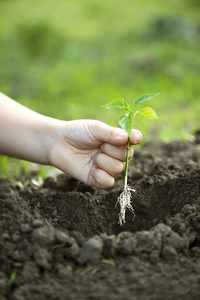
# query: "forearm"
{"points": [[24, 134]]}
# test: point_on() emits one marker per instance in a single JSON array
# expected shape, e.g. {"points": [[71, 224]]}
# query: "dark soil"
{"points": [[54, 239]]}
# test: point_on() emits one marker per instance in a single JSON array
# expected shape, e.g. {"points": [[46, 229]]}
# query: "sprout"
{"points": [[126, 122]]}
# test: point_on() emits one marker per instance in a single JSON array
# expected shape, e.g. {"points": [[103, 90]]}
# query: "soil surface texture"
{"points": [[63, 241]]}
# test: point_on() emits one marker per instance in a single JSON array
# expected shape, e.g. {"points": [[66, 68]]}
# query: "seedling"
{"points": [[109, 261], [38, 182], [126, 122], [21, 184], [10, 282]]}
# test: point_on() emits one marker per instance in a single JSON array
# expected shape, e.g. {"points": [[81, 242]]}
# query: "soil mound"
{"points": [[63, 241]]}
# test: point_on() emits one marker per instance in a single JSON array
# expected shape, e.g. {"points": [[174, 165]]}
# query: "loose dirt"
{"points": [[63, 241]]}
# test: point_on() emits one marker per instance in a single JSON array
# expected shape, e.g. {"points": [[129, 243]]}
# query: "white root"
{"points": [[124, 201]]}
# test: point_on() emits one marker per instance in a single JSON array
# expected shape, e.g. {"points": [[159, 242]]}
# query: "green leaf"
{"points": [[19, 184], [144, 98], [11, 281], [117, 103], [93, 272], [148, 112], [126, 122], [109, 261], [38, 182]]}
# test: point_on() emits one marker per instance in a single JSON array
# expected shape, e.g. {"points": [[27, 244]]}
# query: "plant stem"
{"points": [[127, 163]]}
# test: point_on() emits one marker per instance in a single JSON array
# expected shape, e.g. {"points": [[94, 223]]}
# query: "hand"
{"points": [[90, 151]]}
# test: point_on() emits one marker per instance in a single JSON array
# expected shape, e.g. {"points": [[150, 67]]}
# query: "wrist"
{"points": [[50, 135]]}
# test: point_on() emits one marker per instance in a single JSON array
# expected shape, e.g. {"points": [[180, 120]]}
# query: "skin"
{"points": [[88, 150]]}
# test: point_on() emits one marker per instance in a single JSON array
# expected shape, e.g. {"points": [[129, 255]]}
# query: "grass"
{"points": [[55, 56]]}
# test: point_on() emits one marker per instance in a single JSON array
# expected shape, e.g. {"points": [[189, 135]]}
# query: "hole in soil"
{"points": [[157, 199], [165, 177]]}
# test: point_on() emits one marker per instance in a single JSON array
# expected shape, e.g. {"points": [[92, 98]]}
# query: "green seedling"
{"points": [[21, 184], [10, 282], [126, 122], [93, 272], [109, 261], [38, 182]]}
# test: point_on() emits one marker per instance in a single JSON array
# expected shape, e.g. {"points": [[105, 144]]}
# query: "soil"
{"points": [[63, 241]]}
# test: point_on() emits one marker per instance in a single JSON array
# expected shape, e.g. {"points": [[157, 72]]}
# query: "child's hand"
{"points": [[90, 151]]}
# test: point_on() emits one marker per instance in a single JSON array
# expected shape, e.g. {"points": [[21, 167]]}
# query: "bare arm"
{"points": [[24, 134]]}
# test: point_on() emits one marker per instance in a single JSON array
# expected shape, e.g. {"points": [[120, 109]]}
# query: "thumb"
{"points": [[105, 133]]}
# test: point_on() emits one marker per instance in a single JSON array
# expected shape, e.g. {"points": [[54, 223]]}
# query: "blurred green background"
{"points": [[67, 58]]}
